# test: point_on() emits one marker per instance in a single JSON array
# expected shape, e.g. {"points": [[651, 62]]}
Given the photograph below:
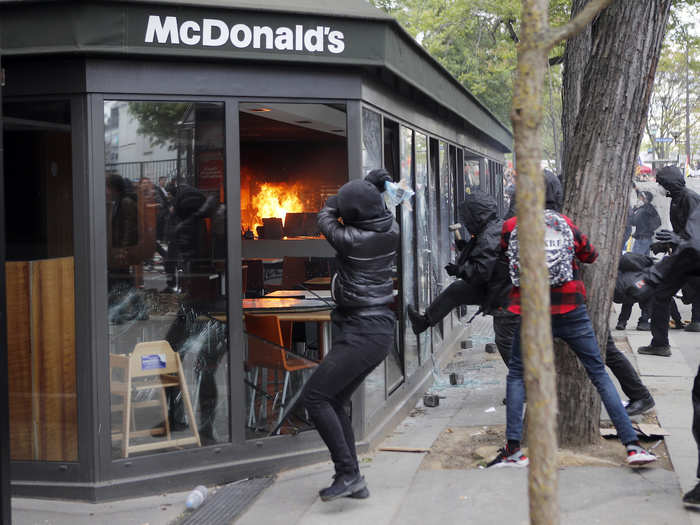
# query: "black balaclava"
{"points": [[554, 195], [671, 179], [359, 200]]}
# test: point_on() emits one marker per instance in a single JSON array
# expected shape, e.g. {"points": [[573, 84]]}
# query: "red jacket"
{"points": [[570, 295]]}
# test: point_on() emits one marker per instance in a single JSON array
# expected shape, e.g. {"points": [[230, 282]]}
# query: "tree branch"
{"points": [[576, 25], [555, 61]]}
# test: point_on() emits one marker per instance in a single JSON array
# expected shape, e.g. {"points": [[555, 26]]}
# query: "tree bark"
{"points": [[536, 330], [536, 39], [600, 152]]}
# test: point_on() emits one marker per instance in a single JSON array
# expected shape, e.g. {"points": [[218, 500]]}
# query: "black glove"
{"points": [[669, 237], [378, 177], [452, 269], [461, 244], [659, 247]]}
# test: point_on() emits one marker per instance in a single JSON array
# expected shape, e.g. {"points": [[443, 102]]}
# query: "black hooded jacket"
{"points": [[481, 264], [366, 244], [645, 219], [684, 201]]}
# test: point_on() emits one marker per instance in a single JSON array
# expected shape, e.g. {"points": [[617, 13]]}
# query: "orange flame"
{"points": [[276, 200]]}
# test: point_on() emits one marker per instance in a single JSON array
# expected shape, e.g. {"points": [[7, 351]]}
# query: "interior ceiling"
{"points": [[291, 122]]}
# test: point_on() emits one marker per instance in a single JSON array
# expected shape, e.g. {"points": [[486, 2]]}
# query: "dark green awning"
{"points": [[340, 32]]}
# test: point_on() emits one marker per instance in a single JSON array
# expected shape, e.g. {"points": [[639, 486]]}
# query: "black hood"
{"points": [[477, 210], [671, 179], [554, 195], [360, 204]]}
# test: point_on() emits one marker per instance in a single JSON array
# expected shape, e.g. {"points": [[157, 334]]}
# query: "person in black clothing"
{"points": [[645, 220], [662, 280], [366, 244], [481, 281], [684, 202]]}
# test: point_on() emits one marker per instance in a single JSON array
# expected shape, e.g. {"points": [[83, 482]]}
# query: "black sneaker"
{"points": [[693, 327], [639, 406], [343, 485], [419, 323], [663, 351], [620, 326], [516, 459], [692, 498], [360, 494], [644, 326]]}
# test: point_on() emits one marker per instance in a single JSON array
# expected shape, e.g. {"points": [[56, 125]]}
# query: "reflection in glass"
{"points": [[408, 265], [422, 238], [392, 162], [471, 173], [371, 141], [40, 281], [375, 384], [435, 269], [166, 274]]}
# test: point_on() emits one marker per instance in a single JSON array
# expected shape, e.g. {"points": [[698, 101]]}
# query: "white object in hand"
{"points": [[196, 497]]}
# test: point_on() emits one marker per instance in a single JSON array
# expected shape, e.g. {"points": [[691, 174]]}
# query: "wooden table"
{"points": [[296, 310], [298, 294], [291, 309], [319, 281]]}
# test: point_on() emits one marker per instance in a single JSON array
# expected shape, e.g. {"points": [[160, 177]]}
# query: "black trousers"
{"points": [[660, 314], [353, 356], [459, 292], [626, 312], [505, 327], [505, 324], [625, 373], [696, 415]]}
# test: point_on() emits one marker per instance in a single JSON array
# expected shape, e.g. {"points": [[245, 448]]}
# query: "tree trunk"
{"points": [[536, 330], [599, 157]]}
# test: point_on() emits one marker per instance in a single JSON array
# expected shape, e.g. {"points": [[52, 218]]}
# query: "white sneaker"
{"points": [[637, 456]]}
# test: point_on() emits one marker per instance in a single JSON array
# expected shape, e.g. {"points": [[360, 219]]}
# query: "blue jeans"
{"points": [[642, 246], [576, 329]]}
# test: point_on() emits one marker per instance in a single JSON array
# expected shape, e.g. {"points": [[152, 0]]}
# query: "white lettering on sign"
{"points": [[216, 33]]}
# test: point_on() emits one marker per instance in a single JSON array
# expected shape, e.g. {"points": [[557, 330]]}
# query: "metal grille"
{"points": [[228, 502]]}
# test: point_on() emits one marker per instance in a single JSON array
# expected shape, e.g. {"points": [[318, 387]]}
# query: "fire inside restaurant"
{"points": [[168, 289]]}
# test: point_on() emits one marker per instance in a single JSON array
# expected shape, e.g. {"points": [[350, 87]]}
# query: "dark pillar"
{"points": [[4, 408]]}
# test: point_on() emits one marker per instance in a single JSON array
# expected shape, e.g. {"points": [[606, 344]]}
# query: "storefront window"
{"points": [[422, 238], [435, 269], [371, 141], [293, 158], [375, 383], [166, 273], [40, 281], [471, 172], [408, 263]]}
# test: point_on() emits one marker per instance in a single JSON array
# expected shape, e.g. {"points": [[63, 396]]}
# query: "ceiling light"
{"points": [[260, 110]]}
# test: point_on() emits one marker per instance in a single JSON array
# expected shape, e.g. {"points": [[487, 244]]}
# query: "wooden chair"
{"points": [[244, 279], [293, 274], [255, 277], [151, 366], [268, 341]]}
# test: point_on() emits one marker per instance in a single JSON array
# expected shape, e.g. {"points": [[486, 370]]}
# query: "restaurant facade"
{"points": [[167, 289]]}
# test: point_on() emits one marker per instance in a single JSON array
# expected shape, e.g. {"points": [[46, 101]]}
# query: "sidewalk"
{"points": [[404, 491], [408, 488]]}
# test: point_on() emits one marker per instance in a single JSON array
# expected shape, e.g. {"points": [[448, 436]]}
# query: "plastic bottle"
{"points": [[196, 497]]}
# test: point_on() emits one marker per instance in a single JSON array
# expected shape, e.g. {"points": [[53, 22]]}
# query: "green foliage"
{"points": [[475, 40], [159, 120], [667, 108]]}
